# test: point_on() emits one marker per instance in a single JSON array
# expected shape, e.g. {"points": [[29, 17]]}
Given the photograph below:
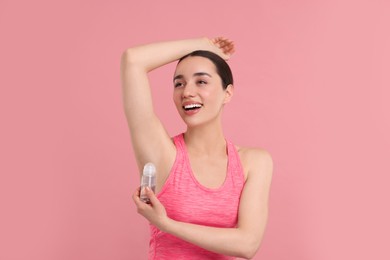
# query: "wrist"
{"points": [[206, 43], [200, 43], [166, 224]]}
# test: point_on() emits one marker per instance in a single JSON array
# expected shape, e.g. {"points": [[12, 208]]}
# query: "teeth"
{"points": [[192, 106]]}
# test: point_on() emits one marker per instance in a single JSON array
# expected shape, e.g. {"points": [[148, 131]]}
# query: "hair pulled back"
{"points": [[223, 69]]}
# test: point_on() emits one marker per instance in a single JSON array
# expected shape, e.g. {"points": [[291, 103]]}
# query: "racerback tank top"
{"points": [[186, 200]]}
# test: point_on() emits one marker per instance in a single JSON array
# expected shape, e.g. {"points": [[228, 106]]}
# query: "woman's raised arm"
{"points": [[151, 142]]}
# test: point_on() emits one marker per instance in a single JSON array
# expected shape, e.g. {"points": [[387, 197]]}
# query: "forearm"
{"points": [[154, 55], [228, 241]]}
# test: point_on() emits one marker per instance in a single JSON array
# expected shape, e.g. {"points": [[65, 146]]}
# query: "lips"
{"points": [[191, 108]]}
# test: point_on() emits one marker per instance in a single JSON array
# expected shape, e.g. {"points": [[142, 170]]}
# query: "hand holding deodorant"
{"points": [[148, 180]]}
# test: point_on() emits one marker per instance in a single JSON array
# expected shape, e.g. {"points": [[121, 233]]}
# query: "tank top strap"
{"points": [[181, 161], [179, 166], [179, 142], [235, 162], [181, 151]]}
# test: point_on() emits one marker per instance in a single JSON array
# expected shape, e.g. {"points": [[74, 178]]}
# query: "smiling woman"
{"points": [[211, 198], [200, 87]]}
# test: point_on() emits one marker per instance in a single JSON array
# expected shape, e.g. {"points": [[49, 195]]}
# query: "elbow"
{"points": [[132, 59], [129, 57], [248, 253], [249, 248]]}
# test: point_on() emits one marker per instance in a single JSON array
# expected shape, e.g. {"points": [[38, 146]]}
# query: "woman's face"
{"points": [[198, 93]]}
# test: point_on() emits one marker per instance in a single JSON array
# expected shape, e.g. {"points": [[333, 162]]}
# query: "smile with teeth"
{"points": [[192, 106]]}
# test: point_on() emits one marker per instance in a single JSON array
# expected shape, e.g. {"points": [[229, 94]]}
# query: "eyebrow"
{"points": [[195, 74]]}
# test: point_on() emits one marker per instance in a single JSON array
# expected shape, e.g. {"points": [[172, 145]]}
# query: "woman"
{"points": [[211, 197]]}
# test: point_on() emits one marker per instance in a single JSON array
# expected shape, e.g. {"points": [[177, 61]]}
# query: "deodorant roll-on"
{"points": [[148, 180]]}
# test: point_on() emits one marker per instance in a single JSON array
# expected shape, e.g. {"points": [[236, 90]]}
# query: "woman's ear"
{"points": [[228, 93]]}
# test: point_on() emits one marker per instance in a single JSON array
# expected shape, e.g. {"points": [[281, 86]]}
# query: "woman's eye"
{"points": [[202, 82], [178, 84]]}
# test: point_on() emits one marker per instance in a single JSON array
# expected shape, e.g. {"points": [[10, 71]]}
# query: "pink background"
{"points": [[312, 87]]}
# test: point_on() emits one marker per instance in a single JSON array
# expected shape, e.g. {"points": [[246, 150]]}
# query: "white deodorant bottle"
{"points": [[148, 180]]}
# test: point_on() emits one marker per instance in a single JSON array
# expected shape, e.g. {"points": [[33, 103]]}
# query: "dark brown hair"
{"points": [[223, 69]]}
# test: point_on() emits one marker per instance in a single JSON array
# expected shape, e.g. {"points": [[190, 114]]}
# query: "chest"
{"points": [[209, 172], [187, 201]]}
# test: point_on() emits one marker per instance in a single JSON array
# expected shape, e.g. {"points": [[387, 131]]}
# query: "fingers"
{"points": [[154, 212], [229, 49], [153, 199], [222, 41], [224, 44], [136, 198], [136, 194], [149, 193]]}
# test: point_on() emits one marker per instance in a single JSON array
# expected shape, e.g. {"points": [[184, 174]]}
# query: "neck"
{"points": [[205, 140]]}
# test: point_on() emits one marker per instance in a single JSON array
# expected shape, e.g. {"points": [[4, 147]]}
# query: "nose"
{"points": [[189, 90]]}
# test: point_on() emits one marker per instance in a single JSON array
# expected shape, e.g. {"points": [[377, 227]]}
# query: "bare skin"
{"points": [[196, 81]]}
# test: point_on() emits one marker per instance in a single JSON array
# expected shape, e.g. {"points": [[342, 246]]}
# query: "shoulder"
{"points": [[255, 161]]}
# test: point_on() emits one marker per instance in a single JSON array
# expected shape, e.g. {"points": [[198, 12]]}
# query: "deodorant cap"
{"points": [[149, 170]]}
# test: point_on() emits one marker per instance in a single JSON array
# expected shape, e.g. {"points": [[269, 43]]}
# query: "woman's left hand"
{"points": [[154, 212]]}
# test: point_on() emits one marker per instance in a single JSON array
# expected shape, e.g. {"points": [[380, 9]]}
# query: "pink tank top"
{"points": [[186, 200]]}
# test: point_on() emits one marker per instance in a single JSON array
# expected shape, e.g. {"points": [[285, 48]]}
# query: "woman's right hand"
{"points": [[223, 47]]}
